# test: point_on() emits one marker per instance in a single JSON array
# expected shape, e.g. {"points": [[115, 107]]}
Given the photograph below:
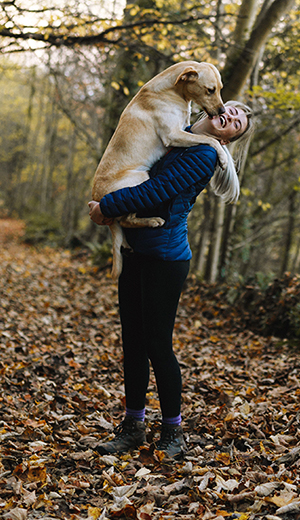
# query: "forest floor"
{"points": [[62, 392]]}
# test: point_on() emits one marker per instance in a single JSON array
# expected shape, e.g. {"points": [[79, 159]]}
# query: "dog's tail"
{"points": [[117, 240], [225, 183]]}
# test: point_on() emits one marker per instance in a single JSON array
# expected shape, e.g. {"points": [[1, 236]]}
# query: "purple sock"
{"points": [[138, 415], [172, 420]]}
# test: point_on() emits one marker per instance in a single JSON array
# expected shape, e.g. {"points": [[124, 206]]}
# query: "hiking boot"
{"points": [[128, 435], [171, 441]]}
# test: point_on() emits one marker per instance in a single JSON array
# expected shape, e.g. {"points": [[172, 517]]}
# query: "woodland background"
{"points": [[67, 69]]}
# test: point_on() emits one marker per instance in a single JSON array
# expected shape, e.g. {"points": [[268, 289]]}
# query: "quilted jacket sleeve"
{"points": [[193, 165]]}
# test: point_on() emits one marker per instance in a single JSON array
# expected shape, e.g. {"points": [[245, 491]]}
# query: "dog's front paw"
{"points": [[156, 222]]}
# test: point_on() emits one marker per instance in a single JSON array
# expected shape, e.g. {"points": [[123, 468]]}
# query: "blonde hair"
{"points": [[225, 183]]}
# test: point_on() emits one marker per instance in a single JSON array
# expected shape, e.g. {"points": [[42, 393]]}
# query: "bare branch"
{"points": [[62, 39]]}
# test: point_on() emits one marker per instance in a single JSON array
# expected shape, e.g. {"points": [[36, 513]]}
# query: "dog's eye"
{"points": [[211, 90]]}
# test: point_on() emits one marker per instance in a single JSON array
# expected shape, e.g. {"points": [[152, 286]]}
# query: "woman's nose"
{"points": [[231, 117]]}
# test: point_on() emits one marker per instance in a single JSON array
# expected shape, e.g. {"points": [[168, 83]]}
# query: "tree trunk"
{"points": [[296, 259], [68, 214], [229, 222], [243, 26], [215, 243], [231, 211], [21, 190], [238, 69], [46, 197], [289, 233], [218, 29], [216, 246], [204, 236]]}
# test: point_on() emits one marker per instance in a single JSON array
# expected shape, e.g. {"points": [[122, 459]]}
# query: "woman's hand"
{"points": [[96, 215]]}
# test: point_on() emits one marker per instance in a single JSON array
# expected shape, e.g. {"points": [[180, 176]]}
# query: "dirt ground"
{"points": [[61, 392]]}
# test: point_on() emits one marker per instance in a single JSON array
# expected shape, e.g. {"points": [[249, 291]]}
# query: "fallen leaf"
{"points": [[145, 512], [266, 489], [293, 507], [142, 472], [15, 514]]}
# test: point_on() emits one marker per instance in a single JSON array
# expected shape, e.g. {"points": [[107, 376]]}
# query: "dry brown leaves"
{"points": [[62, 391]]}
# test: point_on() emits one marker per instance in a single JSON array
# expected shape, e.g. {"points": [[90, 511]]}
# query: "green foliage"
{"points": [[100, 252], [264, 280], [282, 97], [273, 310], [42, 228], [261, 281], [269, 308], [295, 319]]}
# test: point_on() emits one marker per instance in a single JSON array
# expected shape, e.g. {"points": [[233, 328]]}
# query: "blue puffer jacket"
{"points": [[170, 193]]}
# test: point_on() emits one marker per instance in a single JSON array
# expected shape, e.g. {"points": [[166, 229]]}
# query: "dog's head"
{"points": [[202, 84]]}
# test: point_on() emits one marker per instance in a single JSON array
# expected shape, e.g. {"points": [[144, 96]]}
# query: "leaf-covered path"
{"points": [[62, 391]]}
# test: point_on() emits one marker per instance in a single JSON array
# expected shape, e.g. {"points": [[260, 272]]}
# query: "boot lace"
{"points": [[123, 429], [167, 438]]}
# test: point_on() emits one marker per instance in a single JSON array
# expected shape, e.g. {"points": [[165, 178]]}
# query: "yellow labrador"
{"points": [[152, 122]]}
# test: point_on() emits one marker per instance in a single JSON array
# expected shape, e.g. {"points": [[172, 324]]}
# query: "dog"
{"points": [[152, 122]]}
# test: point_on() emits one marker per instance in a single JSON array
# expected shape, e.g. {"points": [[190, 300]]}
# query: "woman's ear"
{"points": [[222, 142]]}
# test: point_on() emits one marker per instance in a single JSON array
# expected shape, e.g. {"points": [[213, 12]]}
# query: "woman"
{"points": [[155, 270]]}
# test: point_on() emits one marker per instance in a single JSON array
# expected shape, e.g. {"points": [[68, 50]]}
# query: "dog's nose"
{"points": [[221, 110]]}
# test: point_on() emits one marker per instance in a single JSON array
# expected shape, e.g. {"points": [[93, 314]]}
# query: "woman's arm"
{"points": [[193, 165]]}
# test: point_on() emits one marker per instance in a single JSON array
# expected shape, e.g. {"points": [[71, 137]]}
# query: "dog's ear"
{"points": [[189, 74]]}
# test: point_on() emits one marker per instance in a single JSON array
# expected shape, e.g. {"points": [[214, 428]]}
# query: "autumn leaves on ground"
{"points": [[61, 392]]}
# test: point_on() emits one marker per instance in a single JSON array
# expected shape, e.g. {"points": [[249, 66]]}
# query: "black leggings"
{"points": [[149, 291]]}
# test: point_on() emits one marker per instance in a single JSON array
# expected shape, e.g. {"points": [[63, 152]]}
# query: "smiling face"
{"points": [[225, 127]]}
